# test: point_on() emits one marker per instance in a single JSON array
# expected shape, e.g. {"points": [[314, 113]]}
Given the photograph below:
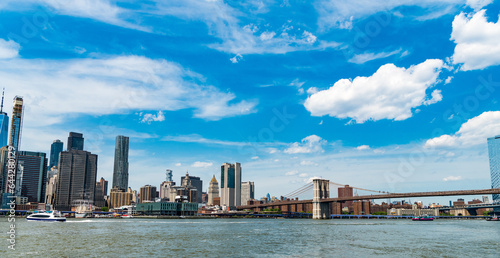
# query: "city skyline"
{"points": [[189, 114]]}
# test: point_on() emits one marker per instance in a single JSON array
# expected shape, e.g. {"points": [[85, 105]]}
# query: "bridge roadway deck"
{"points": [[378, 196]]}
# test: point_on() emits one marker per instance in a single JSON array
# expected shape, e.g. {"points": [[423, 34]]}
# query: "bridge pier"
{"points": [[321, 190]]}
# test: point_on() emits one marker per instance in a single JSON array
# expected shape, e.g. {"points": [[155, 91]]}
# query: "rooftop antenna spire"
{"points": [[1, 107]]}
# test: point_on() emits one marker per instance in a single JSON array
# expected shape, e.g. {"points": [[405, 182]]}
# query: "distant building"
{"points": [[494, 155], [118, 197], [99, 195], [346, 191], [16, 123], [4, 126], [186, 192], [486, 199], [167, 208], [104, 186], [4, 151], [148, 194], [204, 197], [51, 189], [55, 149], [77, 177], [213, 191], [75, 141], [247, 192], [198, 184], [120, 169], [230, 184], [33, 178], [165, 188]]}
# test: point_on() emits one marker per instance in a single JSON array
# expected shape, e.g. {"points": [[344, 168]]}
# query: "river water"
{"points": [[253, 238]]}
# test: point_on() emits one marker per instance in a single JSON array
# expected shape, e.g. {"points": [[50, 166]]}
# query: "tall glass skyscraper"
{"points": [[16, 123], [4, 126], [55, 149], [120, 170], [75, 141], [230, 175], [494, 154]]}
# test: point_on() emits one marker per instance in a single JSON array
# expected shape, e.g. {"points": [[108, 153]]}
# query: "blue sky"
{"points": [[397, 96]]}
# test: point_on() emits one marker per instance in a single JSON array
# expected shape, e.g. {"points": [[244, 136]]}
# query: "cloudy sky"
{"points": [[396, 96]]}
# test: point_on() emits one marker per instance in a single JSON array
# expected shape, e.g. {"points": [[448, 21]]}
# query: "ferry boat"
{"points": [[494, 218], [423, 218], [46, 216]]}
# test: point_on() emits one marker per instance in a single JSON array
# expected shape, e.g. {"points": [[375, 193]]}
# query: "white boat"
{"points": [[46, 216], [127, 216]]}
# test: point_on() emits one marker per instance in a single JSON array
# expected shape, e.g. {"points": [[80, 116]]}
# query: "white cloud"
{"points": [[390, 93], [112, 85], [341, 13], [272, 150], [199, 164], [452, 178], [478, 4], [435, 97], [236, 58], [448, 80], [303, 175], [310, 144], [267, 35], [255, 157], [368, 56], [363, 147], [308, 163], [148, 118], [291, 173], [312, 90], [9, 49], [309, 180], [477, 41], [195, 138], [473, 132], [178, 164]]}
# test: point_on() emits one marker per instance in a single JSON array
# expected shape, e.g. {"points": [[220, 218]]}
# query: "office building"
{"points": [[4, 151], [197, 183], [213, 191], [4, 126], [230, 184], [33, 179], [346, 191], [16, 123], [494, 156], [247, 192], [50, 190], [168, 174], [55, 149], [165, 188], [75, 141], [147, 194], [186, 192], [118, 197], [120, 169], [77, 178], [104, 186]]}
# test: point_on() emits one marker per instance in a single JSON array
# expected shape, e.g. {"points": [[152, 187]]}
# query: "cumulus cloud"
{"points": [[452, 178], [9, 49], [473, 132], [113, 85], [476, 41], [199, 164], [363, 147], [390, 93], [310, 144], [236, 58], [148, 118], [478, 4]]}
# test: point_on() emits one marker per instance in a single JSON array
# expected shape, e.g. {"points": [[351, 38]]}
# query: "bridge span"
{"points": [[320, 205]]}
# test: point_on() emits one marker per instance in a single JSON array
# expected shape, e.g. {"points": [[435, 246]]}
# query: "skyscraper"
{"points": [[55, 149], [33, 179], [75, 141], [494, 155], [197, 183], [247, 192], [76, 179], [213, 191], [120, 170], [16, 123], [4, 126], [104, 186], [230, 184], [148, 193]]}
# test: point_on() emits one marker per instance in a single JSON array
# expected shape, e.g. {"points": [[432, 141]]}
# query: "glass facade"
{"points": [[4, 129], [120, 169], [16, 123], [494, 155], [55, 149], [75, 141]]}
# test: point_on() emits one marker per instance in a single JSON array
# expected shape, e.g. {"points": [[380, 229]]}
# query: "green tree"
{"points": [[105, 209]]}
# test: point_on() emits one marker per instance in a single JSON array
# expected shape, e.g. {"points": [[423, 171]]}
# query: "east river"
{"points": [[253, 238]]}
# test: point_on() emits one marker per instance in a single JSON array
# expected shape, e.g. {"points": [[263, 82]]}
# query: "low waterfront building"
{"points": [[412, 212], [167, 208]]}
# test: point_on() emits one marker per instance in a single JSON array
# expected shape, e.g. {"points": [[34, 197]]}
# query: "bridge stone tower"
{"points": [[321, 190]]}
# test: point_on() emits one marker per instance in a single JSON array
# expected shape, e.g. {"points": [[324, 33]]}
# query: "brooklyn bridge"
{"points": [[322, 206]]}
